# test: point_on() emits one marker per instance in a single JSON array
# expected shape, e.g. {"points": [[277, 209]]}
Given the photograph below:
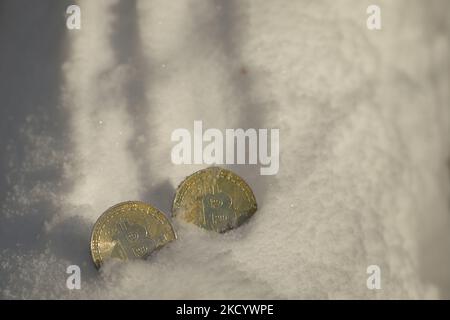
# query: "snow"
{"points": [[87, 117]]}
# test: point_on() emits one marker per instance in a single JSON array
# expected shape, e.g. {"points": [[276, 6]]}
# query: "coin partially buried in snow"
{"points": [[129, 230], [215, 199]]}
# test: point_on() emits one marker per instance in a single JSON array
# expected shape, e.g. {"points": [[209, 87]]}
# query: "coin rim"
{"points": [[95, 254], [199, 172]]}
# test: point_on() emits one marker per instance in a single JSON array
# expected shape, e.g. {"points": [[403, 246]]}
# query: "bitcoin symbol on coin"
{"points": [[214, 199], [132, 241], [129, 230], [218, 211]]}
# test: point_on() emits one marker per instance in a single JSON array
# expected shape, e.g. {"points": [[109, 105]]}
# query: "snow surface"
{"points": [[86, 119]]}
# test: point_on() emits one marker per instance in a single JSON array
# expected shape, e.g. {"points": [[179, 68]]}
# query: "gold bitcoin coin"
{"points": [[214, 199], [129, 230]]}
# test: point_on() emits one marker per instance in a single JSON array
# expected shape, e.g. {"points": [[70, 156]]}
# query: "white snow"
{"points": [[364, 145]]}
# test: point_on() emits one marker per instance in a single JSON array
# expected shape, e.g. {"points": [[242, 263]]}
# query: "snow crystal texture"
{"points": [[87, 115]]}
